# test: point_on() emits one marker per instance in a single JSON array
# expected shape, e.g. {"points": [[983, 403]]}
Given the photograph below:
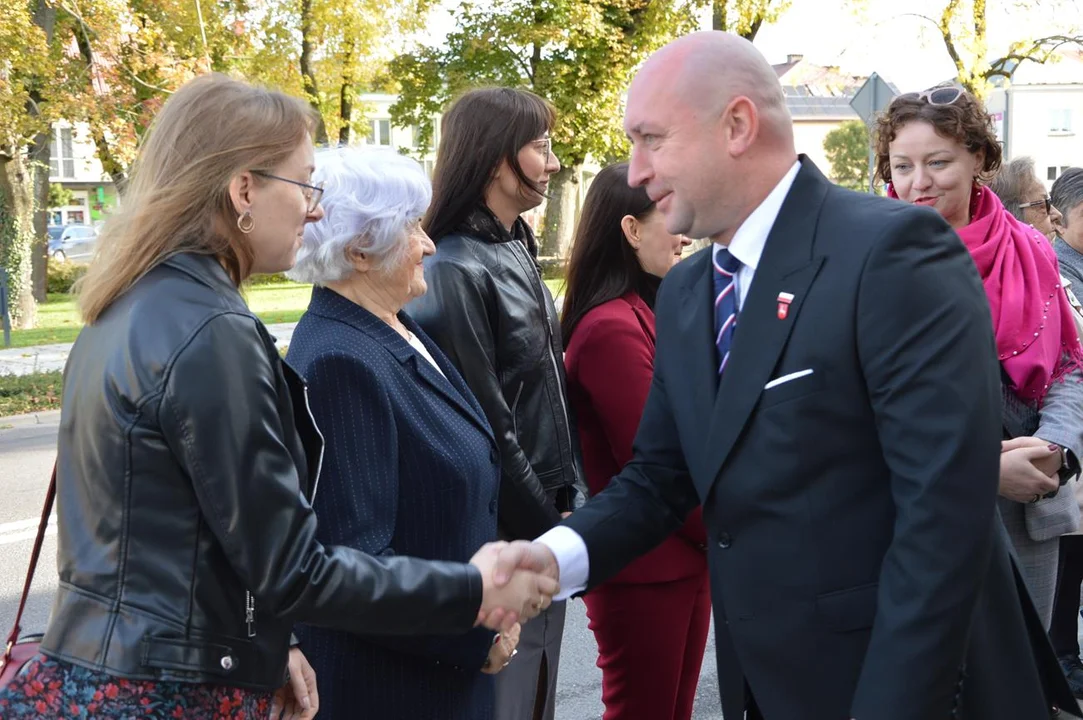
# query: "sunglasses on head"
{"points": [[936, 96]]}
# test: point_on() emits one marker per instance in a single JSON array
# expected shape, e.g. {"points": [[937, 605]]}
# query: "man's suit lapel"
{"points": [[696, 329], [786, 266]]}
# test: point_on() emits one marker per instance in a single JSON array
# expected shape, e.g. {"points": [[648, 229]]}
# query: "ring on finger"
{"points": [[1036, 498]]}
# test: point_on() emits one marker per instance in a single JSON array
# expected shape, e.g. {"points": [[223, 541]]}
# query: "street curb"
{"points": [[31, 418]]}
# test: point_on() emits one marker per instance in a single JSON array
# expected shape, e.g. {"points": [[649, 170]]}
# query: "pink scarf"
{"points": [[1036, 337]]}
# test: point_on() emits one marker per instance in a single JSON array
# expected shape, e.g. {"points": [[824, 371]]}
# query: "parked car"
{"points": [[55, 231], [75, 242]]}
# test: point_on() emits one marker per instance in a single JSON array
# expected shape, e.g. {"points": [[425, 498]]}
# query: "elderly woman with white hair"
{"points": [[411, 465]]}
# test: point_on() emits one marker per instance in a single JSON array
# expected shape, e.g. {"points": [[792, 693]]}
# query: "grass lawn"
{"points": [[58, 319]]}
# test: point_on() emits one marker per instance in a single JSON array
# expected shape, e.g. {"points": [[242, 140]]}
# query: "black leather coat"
{"points": [[489, 311], [187, 460]]}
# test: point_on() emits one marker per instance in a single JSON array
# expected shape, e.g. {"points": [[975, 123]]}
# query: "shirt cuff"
{"points": [[572, 559]]}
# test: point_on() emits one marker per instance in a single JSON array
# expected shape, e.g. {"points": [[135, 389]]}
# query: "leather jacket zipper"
{"points": [[250, 613], [540, 292], [514, 407]]}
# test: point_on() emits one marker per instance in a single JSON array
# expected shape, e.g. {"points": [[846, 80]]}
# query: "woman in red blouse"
{"points": [[651, 620]]}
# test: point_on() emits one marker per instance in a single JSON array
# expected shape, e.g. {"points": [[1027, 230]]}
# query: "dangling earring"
{"points": [[246, 223]]}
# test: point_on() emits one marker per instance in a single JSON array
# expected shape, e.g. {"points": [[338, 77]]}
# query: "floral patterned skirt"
{"points": [[47, 688]]}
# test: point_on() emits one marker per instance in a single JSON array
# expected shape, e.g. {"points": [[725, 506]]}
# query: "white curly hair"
{"points": [[370, 199]]}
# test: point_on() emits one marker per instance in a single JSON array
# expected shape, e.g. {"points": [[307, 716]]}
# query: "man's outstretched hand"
{"points": [[519, 580]]}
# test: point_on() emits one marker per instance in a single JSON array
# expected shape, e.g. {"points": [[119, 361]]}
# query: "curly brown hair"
{"points": [[965, 120]]}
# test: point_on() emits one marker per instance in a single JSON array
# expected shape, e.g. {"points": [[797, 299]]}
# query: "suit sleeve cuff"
{"points": [[572, 559]]}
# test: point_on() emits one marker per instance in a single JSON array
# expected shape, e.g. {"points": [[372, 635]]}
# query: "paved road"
{"points": [[26, 454]]}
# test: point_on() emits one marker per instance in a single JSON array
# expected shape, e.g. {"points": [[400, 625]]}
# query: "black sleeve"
{"points": [[926, 347], [231, 444]]}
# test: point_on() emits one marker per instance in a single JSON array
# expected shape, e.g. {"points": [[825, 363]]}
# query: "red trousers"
{"points": [[651, 639]]}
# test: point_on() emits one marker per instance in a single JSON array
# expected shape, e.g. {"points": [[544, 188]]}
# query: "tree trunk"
{"points": [[718, 15], [17, 237], [44, 18], [308, 72], [39, 164], [345, 96], [560, 213]]}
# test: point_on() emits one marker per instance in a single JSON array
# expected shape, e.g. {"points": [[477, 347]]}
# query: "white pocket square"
{"points": [[787, 378]]}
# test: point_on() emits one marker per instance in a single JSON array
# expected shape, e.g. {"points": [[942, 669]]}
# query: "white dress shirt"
{"points": [[747, 246]]}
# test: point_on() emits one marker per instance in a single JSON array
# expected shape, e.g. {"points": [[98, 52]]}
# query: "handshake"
{"points": [[519, 580]]}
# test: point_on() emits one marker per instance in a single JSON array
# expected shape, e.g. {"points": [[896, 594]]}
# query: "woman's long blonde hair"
{"points": [[177, 197]]}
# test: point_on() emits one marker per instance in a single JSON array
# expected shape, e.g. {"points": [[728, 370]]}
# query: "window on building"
{"points": [[61, 159], [380, 132], [1060, 121], [1051, 173], [76, 217]]}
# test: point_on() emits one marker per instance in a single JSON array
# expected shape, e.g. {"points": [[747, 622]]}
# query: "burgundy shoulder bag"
{"points": [[18, 653]]}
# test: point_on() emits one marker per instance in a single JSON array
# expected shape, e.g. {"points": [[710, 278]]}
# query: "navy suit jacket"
{"points": [[410, 467], [847, 465]]}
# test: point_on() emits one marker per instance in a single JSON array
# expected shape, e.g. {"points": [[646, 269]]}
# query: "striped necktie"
{"points": [[725, 302]]}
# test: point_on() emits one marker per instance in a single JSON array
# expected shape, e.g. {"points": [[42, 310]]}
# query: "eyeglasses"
{"points": [[544, 147], [312, 193], [936, 96], [1046, 201]]}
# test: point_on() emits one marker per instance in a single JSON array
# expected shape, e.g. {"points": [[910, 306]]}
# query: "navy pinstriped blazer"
{"points": [[410, 468]]}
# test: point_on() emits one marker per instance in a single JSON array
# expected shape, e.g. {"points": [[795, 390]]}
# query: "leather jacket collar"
{"points": [[482, 224]]}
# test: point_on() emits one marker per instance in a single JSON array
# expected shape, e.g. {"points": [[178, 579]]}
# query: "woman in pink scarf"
{"points": [[937, 148]]}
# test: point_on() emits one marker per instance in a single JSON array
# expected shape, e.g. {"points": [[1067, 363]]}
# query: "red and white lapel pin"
{"points": [[784, 300]]}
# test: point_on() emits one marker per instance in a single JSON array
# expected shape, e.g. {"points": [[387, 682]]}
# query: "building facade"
{"points": [[1040, 115], [74, 165]]}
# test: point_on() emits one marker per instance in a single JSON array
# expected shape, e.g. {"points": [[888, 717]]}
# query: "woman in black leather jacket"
{"points": [[489, 311], [187, 459]]}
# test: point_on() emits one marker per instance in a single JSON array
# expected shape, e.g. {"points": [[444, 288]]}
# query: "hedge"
{"points": [[62, 274], [36, 392]]}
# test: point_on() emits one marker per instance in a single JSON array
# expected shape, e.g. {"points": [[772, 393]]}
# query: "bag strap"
{"points": [[46, 511]]}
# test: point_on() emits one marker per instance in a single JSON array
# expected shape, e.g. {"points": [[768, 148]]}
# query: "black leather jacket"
{"points": [[489, 311], [187, 459]]}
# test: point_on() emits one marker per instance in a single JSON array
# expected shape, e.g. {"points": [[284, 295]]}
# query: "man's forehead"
{"points": [[648, 103]]}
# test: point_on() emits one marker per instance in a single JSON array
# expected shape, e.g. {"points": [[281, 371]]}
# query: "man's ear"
{"points": [[741, 122]]}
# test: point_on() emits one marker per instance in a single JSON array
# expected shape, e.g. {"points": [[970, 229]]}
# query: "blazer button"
{"points": [[724, 541], [494, 456], [492, 507]]}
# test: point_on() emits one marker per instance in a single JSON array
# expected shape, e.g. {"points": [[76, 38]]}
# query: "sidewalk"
{"points": [[46, 358]]}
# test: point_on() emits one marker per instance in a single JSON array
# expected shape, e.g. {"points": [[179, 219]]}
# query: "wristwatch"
{"points": [[1069, 465]]}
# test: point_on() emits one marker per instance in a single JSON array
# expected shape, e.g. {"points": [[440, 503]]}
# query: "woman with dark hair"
{"points": [[651, 619], [489, 311], [937, 148]]}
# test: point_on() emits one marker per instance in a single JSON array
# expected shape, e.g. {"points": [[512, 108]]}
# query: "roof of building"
{"points": [[818, 92], [811, 107]]}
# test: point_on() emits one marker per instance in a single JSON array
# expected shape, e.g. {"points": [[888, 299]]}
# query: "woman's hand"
{"points": [[298, 699], [502, 651], [1027, 469]]}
